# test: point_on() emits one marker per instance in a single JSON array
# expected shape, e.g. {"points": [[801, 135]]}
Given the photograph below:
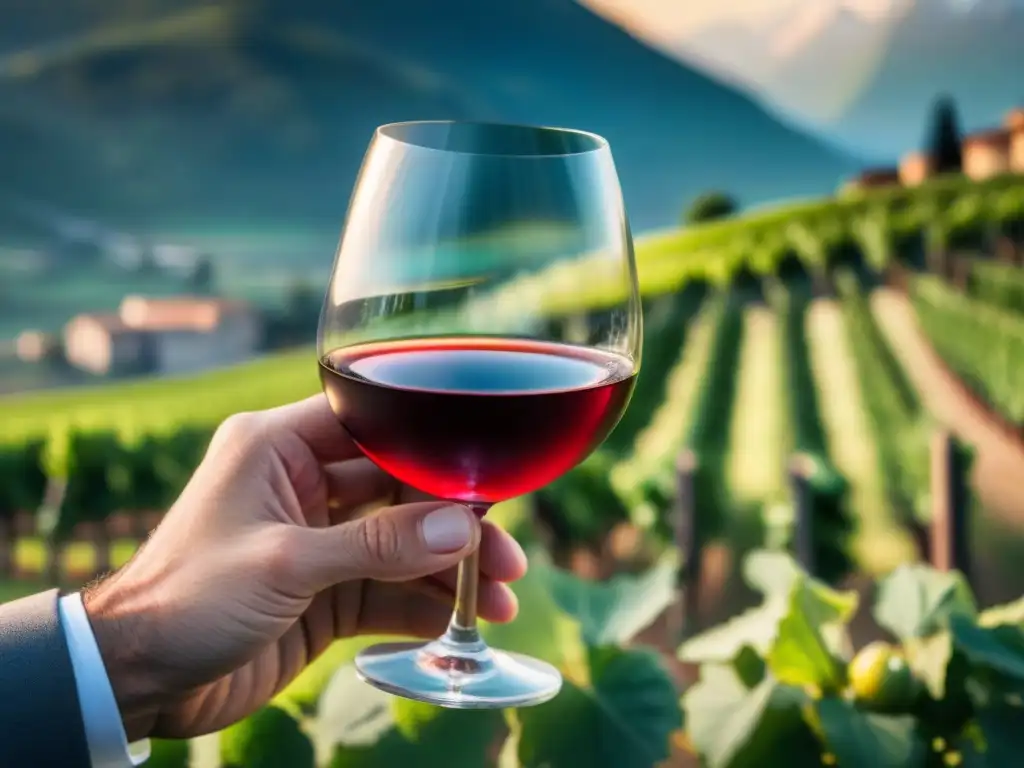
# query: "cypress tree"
{"points": [[944, 144]]}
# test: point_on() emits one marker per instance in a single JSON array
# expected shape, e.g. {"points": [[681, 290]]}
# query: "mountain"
{"points": [[978, 63], [860, 73], [158, 113]]}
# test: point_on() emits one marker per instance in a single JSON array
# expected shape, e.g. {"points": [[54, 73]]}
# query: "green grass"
{"points": [[14, 590], [79, 558], [666, 261], [30, 554], [757, 448], [167, 402], [654, 453], [880, 544]]}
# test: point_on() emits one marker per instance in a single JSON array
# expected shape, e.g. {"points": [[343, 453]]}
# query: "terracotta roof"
{"points": [[878, 176], [177, 313], [1015, 119], [109, 322], [917, 157], [998, 139]]}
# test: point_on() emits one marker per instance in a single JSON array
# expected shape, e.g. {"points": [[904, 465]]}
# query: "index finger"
{"points": [[313, 422]]}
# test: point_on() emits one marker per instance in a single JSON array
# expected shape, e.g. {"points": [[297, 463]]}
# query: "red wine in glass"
{"points": [[476, 419]]}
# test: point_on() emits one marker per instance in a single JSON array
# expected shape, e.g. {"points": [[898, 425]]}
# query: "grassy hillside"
{"points": [[147, 113], [799, 236]]}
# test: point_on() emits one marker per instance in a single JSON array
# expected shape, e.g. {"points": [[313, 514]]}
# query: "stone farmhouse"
{"points": [[986, 154], [166, 336]]}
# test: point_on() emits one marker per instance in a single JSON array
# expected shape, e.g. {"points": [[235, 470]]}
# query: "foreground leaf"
{"points": [[614, 612], [351, 713], [168, 753], [756, 628], [305, 690], [929, 659], [1000, 615], [361, 727], [623, 720], [733, 727], [771, 573], [1000, 649], [915, 601], [542, 629], [860, 740], [749, 667], [270, 738], [1001, 728], [801, 654], [509, 755]]}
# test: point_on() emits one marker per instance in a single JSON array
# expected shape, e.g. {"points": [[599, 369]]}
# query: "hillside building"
{"points": [[998, 151], [987, 154], [873, 178], [163, 336], [915, 169]]}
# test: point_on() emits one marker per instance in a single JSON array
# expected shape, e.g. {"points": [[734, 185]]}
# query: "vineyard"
{"points": [[774, 418]]}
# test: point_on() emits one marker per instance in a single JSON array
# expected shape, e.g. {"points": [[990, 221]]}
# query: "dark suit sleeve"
{"points": [[40, 718]]}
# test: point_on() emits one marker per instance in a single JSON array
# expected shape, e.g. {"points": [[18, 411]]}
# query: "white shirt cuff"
{"points": [[104, 730]]}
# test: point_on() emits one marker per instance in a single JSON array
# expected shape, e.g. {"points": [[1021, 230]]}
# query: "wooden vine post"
{"points": [[7, 542], [684, 614], [950, 537], [803, 513], [99, 535], [53, 501], [960, 272]]}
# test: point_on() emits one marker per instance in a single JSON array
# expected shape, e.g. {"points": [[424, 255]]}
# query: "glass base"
{"points": [[458, 675]]}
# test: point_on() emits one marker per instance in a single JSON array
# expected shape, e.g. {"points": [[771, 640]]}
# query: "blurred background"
{"points": [[828, 203]]}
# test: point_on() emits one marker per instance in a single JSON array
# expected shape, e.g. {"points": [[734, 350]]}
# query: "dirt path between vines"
{"points": [[998, 475], [880, 543]]}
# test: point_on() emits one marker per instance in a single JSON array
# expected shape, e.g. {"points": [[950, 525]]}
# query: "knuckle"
{"points": [[280, 556], [381, 538], [240, 425], [239, 431]]}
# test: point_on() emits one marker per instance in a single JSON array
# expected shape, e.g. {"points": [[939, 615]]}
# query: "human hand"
{"points": [[263, 561]]}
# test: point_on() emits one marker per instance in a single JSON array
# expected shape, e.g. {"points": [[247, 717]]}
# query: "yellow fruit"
{"points": [[881, 679]]}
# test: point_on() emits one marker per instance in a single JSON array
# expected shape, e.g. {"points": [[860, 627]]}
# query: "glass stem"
{"points": [[462, 627]]}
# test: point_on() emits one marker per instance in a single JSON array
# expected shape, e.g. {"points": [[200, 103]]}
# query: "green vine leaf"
{"points": [[801, 654], [771, 573], [624, 719], [542, 629], [860, 740], [304, 691], [614, 612], [362, 727], [732, 726], [1000, 728], [168, 753], [1000, 615], [929, 659], [267, 739], [915, 601], [1000, 649], [755, 628]]}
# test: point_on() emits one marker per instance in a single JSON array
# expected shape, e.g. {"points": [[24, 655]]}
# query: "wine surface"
{"points": [[476, 419]]}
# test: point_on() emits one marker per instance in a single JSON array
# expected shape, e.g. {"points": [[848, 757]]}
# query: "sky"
{"points": [[817, 61]]}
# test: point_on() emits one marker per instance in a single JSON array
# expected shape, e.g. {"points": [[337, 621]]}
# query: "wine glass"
{"points": [[456, 351]]}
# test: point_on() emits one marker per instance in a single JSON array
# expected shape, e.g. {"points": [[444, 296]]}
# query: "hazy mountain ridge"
{"points": [[860, 72], [263, 108], [978, 62]]}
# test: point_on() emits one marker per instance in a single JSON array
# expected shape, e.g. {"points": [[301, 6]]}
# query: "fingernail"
{"points": [[447, 529]]}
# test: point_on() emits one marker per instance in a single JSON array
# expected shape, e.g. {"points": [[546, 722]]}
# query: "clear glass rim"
{"points": [[590, 143]]}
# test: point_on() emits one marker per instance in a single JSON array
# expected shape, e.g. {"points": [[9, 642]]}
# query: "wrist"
{"points": [[120, 629]]}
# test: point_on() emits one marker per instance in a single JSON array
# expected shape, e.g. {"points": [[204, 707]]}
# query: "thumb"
{"points": [[397, 543]]}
